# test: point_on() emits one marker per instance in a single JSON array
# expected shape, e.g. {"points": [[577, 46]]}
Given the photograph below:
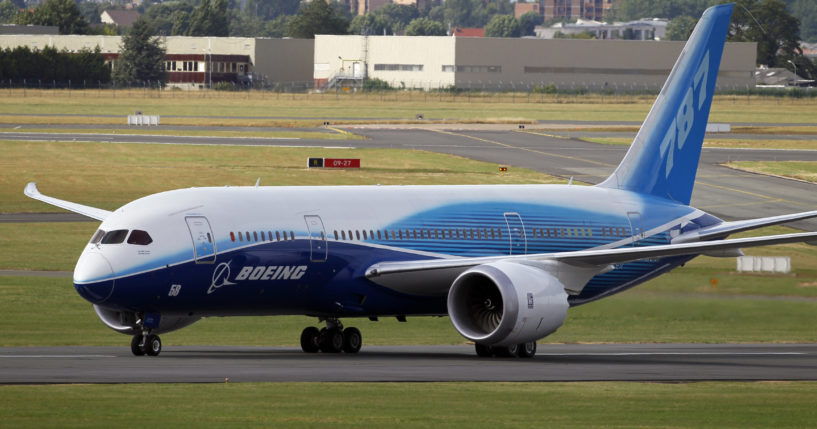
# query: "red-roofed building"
{"points": [[468, 32]]}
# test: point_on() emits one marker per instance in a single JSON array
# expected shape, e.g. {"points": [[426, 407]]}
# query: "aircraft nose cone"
{"points": [[93, 277]]}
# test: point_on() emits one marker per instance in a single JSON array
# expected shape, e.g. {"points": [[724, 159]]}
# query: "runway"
{"points": [[618, 362]]}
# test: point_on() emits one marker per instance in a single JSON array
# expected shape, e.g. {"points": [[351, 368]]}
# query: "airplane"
{"points": [[504, 262]]}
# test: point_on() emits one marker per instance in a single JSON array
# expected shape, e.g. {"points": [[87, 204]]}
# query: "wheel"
{"points": [[331, 341], [309, 340], [507, 352], [352, 340], [136, 345], [153, 345], [527, 350], [483, 350]]}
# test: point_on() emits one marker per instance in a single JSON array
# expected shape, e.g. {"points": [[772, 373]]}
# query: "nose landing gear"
{"points": [[146, 344], [331, 339]]}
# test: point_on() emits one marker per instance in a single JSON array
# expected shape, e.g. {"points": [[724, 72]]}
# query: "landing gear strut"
{"points": [[524, 350], [331, 339]]}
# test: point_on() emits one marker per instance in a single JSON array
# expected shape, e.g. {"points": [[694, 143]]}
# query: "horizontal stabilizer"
{"points": [[92, 212]]}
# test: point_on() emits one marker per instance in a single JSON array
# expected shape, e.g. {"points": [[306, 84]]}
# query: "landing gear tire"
{"points": [[527, 350], [483, 350], [507, 352], [310, 340], [137, 347], [331, 340], [352, 340], [153, 345]]}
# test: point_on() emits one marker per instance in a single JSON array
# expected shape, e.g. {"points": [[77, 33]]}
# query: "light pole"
{"points": [[795, 71], [208, 59]]}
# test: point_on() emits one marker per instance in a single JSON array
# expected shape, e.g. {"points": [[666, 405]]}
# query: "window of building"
{"points": [[399, 67], [479, 69], [447, 69]]}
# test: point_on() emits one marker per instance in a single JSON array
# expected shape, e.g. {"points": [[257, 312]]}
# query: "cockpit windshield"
{"points": [[137, 237], [115, 237]]}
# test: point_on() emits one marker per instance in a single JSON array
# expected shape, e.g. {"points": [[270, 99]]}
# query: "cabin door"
{"points": [[516, 232], [636, 229], [317, 238], [204, 245]]}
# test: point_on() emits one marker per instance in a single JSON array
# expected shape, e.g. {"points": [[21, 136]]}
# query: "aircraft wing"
{"points": [[726, 228], [417, 275], [31, 191]]}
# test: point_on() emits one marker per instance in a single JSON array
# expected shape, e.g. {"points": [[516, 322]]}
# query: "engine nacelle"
{"points": [[506, 303], [124, 322]]}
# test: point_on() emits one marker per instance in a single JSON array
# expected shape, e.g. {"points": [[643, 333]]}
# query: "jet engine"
{"points": [[124, 322], [506, 303]]}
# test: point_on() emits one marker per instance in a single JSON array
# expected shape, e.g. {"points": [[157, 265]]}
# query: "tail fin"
{"points": [[663, 158]]}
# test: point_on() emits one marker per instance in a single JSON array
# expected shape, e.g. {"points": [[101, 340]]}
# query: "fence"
{"points": [[468, 91]]}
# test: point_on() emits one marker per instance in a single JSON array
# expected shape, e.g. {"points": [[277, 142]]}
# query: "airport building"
{"points": [[432, 62], [193, 62], [427, 62]]}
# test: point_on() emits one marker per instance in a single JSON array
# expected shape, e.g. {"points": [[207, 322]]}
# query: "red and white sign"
{"points": [[341, 163]]}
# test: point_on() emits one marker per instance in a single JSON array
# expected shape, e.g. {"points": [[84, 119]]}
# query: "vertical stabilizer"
{"points": [[663, 158]]}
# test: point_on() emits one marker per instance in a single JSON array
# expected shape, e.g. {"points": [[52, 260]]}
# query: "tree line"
{"points": [[49, 64]]}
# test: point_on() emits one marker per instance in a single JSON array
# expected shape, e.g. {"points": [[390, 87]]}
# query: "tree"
{"points": [[209, 19], [141, 56], [398, 15], [528, 22], [503, 26], [317, 17], [629, 10], [8, 11], [681, 28], [806, 12], [269, 9], [58, 13], [370, 23], [771, 26], [425, 27]]}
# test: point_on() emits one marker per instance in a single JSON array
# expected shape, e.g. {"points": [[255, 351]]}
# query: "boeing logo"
{"points": [[221, 277], [272, 272]]}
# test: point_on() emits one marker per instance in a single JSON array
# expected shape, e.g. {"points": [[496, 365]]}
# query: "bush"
{"points": [[225, 86], [375, 84]]}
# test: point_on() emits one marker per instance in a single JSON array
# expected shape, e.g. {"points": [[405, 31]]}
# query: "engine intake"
{"points": [[506, 303]]}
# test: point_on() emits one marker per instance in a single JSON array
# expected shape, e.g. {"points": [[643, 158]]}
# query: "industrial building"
{"points": [[432, 62], [195, 62], [428, 62]]}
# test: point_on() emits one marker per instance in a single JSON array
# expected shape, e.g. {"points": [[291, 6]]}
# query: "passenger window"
{"points": [[357, 234], [378, 234], [277, 235], [115, 237], [232, 236], [240, 236], [142, 238], [248, 235], [291, 235], [263, 236], [255, 235], [343, 234], [336, 234], [364, 235], [97, 236]]}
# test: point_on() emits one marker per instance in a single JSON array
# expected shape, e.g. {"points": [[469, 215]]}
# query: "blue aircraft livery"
{"points": [[503, 262]]}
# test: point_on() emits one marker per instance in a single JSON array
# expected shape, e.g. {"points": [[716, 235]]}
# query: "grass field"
{"points": [[396, 405], [109, 175], [800, 170], [312, 109]]}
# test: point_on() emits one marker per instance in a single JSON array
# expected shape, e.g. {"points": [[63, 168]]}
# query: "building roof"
{"points": [[468, 32], [120, 18]]}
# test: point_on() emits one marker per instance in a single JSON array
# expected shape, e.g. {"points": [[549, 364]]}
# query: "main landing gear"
{"points": [[146, 344], [331, 339], [524, 350]]}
